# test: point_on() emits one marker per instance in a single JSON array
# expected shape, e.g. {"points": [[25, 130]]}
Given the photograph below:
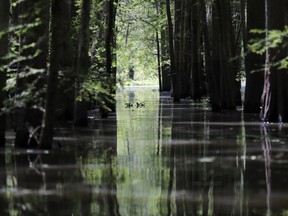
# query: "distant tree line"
{"points": [[58, 58]]}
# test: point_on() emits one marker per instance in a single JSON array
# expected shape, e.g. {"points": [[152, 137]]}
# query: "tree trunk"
{"points": [[66, 100], [110, 23], [183, 75], [228, 75], [159, 61], [243, 6], [83, 63], [254, 62], [110, 48], [196, 74], [216, 63], [4, 22], [224, 77], [213, 89], [110, 57], [157, 40], [165, 67], [237, 45], [57, 25], [275, 93], [174, 74], [266, 95]]}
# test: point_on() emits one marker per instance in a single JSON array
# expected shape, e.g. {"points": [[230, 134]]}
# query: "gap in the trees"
{"points": [[137, 36]]}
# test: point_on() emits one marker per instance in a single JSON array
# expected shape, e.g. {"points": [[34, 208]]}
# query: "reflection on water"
{"points": [[153, 158]]}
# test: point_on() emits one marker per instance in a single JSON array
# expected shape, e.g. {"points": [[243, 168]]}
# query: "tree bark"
{"points": [[57, 26], [83, 63], [110, 57], [157, 40], [216, 63], [174, 74], [228, 75], [165, 67], [196, 73], [254, 62], [275, 93], [110, 47], [66, 100], [221, 77], [182, 13], [4, 23], [213, 88], [110, 22], [159, 61]]}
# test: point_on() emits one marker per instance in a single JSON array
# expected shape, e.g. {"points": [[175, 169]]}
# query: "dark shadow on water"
{"points": [[4, 210]]}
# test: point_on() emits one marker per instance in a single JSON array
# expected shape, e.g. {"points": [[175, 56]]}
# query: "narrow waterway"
{"points": [[152, 158]]}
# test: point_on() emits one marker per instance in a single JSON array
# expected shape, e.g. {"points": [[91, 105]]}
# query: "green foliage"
{"points": [[96, 89], [137, 23], [24, 80], [276, 40]]}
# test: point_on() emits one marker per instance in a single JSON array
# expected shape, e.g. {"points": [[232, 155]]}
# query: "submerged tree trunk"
{"points": [[4, 21], [83, 63]]}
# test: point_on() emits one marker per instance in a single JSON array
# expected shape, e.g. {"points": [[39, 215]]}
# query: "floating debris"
{"points": [[128, 105], [136, 105]]}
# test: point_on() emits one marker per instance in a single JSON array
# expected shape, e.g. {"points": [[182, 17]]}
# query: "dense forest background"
{"points": [[61, 58]]}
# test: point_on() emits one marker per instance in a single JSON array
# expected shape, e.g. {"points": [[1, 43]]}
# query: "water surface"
{"points": [[152, 157]]}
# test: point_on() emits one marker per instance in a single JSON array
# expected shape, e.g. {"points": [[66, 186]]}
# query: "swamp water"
{"points": [[152, 158]]}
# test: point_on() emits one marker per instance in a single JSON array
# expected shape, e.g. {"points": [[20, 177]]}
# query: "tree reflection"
{"points": [[266, 168], [183, 162], [103, 179], [3, 186], [107, 197], [207, 168], [45, 184], [266, 147], [171, 180]]}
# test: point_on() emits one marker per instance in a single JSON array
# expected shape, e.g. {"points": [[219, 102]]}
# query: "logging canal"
{"points": [[152, 158]]}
